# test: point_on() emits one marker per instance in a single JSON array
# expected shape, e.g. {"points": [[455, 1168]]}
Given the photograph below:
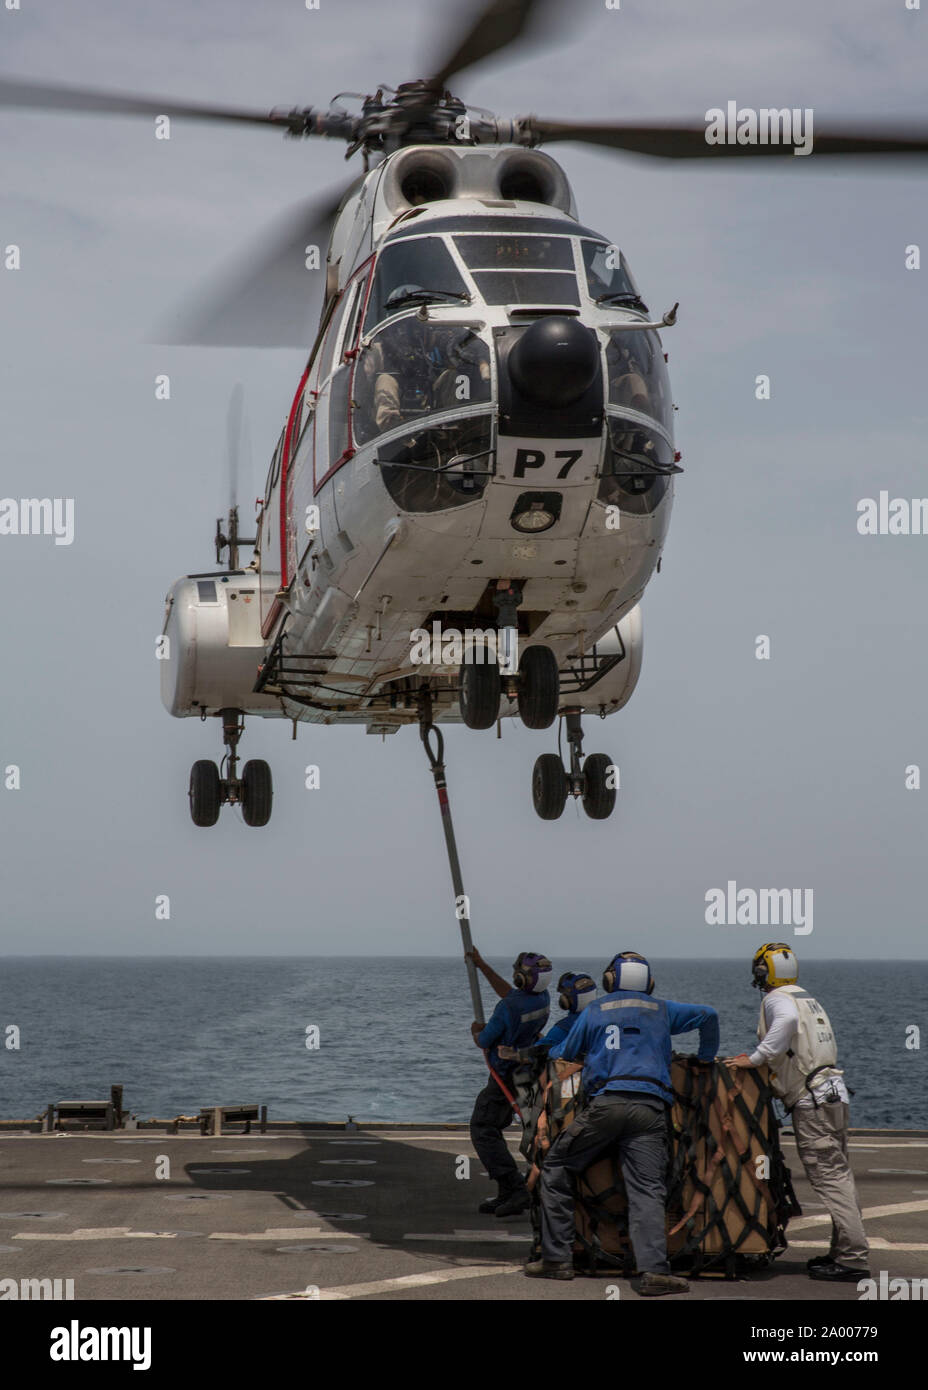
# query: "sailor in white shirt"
{"points": [[797, 1042]]}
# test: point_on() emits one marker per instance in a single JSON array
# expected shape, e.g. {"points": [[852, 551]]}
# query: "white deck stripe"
{"points": [[126, 1233], [416, 1281], [868, 1213], [475, 1237], [875, 1243], [290, 1233], [97, 1233]]}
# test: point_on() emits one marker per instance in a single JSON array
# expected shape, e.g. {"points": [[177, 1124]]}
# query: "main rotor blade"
{"points": [[495, 27], [689, 142], [267, 297], [43, 97]]}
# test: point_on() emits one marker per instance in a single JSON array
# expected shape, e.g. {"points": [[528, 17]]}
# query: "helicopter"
{"points": [[473, 485]]}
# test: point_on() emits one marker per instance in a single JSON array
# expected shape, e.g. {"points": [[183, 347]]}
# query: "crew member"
{"points": [[627, 383], [624, 1040], [796, 1039], [574, 993], [517, 1022]]}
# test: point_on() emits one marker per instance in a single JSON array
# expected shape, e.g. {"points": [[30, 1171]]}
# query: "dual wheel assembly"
{"points": [[592, 779], [593, 782], [537, 691], [209, 791]]}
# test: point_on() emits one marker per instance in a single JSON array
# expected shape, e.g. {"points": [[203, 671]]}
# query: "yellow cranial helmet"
{"points": [[774, 964]]}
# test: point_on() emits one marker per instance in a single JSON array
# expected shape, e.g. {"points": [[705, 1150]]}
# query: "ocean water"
{"points": [[394, 1032]]}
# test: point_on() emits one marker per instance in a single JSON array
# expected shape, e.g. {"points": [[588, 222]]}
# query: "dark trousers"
{"points": [[492, 1113], [636, 1128]]}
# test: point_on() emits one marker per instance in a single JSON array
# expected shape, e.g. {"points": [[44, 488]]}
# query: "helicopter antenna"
{"points": [[236, 446]]}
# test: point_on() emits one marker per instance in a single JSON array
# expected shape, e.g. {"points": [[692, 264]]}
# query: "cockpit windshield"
{"points": [[521, 269], [489, 252], [413, 369], [412, 272], [608, 277]]}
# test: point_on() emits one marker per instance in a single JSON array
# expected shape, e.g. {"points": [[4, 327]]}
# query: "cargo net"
{"points": [[729, 1192]]}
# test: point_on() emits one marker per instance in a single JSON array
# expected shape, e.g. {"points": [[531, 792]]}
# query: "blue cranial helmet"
{"points": [[531, 971], [628, 970], [575, 992]]}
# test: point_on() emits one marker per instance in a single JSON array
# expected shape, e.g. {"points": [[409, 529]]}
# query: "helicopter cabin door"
{"points": [[269, 540], [336, 369]]}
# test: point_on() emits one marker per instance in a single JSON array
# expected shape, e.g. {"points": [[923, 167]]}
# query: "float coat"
{"points": [[813, 1048]]}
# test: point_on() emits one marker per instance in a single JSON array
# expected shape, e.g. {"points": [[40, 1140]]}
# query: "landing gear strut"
{"points": [[592, 779], [253, 791], [533, 680]]}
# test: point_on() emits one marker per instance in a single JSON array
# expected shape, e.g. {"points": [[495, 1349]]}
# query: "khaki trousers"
{"points": [[821, 1139]]}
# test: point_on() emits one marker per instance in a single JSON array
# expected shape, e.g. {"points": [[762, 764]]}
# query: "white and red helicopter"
{"points": [[474, 481]]}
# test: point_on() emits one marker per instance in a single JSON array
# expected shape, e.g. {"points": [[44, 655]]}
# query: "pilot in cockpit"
{"points": [[413, 368], [627, 383]]}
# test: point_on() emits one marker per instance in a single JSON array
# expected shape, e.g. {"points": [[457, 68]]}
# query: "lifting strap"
{"points": [[462, 906], [427, 730]]}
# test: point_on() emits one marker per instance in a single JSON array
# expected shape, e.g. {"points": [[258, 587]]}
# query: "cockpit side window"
{"points": [[416, 271], [608, 278], [637, 375], [327, 356]]}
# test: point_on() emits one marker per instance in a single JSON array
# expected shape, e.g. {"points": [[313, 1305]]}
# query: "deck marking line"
{"points": [[290, 1233], [475, 1237], [98, 1233], [416, 1281], [868, 1213], [875, 1243]]}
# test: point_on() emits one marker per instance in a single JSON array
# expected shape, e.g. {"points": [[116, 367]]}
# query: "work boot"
{"points": [[547, 1269], [654, 1285], [514, 1203], [817, 1261], [838, 1274], [489, 1204]]}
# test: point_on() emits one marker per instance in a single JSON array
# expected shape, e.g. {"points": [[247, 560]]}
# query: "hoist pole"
{"points": [[426, 730]]}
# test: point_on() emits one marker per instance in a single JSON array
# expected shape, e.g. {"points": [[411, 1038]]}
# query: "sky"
{"points": [[780, 773]]}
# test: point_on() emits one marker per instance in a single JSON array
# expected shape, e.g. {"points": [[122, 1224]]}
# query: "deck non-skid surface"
{"points": [[379, 1215]]}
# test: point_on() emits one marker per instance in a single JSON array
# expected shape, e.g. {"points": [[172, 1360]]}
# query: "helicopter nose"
{"points": [[554, 362]]}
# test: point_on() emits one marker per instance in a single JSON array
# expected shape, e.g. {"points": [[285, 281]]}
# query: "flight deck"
{"points": [[381, 1211]]}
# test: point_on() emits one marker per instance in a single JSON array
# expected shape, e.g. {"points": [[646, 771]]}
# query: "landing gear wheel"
{"points": [[479, 694], [598, 796], [205, 793], [257, 792], [549, 786], [539, 687]]}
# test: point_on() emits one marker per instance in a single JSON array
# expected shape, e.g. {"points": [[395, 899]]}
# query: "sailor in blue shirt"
{"points": [[574, 993], [517, 1022], [624, 1039]]}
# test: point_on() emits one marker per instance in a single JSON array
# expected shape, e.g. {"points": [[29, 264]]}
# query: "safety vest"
{"points": [[813, 1053]]}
